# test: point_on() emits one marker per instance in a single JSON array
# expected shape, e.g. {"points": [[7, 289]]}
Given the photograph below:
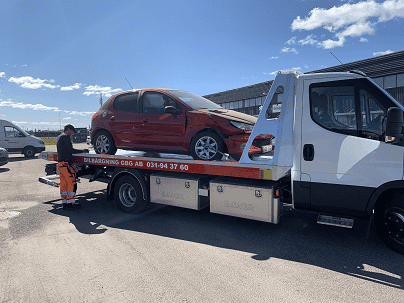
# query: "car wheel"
{"points": [[128, 195], [104, 143], [389, 222], [207, 146], [29, 152]]}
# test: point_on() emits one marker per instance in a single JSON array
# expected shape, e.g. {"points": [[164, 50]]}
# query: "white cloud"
{"points": [[67, 118], [352, 18], [291, 41], [308, 40], [29, 82], [21, 105], [273, 58], [76, 113], [41, 107], [24, 65], [96, 90], [2, 74], [75, 86], [289, 50], [382, 53], [363, 40]]}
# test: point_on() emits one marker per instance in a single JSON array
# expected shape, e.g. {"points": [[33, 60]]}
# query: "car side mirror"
{"points": [[171, 110], [395, 122]]}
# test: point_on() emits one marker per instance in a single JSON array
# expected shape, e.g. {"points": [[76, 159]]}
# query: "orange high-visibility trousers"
{"points": [[68, 185]]}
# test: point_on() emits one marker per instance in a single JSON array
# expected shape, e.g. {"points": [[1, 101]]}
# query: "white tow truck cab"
{"points": [[17, 141], [338, 151]]}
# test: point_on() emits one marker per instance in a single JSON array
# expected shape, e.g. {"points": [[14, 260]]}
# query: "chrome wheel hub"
{"points": [[102, 144], [206, 148], [127, 195], [394, 222]]}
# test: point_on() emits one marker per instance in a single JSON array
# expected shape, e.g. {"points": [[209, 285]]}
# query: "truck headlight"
{"points": [[243, 126]]}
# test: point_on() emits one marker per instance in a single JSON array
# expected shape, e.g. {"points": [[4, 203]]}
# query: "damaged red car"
{"points": [[171, 121]]}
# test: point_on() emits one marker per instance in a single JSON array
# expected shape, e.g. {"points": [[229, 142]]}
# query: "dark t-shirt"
{"points": [[65, 149]]}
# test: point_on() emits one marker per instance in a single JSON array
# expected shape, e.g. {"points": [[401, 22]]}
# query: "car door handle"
{"points": [[112, 118], [308, 152], [145, 121]]}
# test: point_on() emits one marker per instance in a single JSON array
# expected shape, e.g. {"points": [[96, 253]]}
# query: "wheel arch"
{"points": [[382, 192], [120, 172]]}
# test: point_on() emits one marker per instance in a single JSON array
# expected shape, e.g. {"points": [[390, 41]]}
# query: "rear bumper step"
{"points": [[335, 221]]}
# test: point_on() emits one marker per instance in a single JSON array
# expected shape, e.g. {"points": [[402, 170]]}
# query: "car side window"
{"points": [[155, 103], [127, 102], [333, 107]]}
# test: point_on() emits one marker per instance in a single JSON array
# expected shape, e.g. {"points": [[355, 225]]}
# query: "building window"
{"points": [[240, 104], [379, 81], [400, 80], [390, 81]]}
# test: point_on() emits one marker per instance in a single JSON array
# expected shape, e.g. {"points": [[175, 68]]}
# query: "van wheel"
{"points": [[29, 152], [128, 195], [389, 222], [104, 143], [206, 146]]}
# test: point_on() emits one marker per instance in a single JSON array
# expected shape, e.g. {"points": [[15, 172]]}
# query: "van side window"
{"points": [[333, 107], [12, 132]]}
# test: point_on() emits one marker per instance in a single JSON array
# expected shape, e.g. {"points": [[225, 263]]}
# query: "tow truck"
{"points": [[339, 152]]}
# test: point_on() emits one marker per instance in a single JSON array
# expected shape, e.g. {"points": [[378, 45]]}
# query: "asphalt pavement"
{"points": [[170, 254]]}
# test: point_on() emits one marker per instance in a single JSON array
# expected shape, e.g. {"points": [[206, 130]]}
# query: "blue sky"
{"points": [[56, 57]]}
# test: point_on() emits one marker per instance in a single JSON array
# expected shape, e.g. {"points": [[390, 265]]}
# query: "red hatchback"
{"points": [[173, 121]]}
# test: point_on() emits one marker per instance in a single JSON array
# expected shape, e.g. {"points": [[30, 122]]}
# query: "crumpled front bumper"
{"points": [[235, 145]]}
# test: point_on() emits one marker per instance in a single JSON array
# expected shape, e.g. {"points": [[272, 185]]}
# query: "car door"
{"points": [[125, 119], [160, 131], [344, 156]]}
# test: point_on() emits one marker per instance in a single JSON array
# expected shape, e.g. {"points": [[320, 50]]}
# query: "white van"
{"points": [[17, 141]]}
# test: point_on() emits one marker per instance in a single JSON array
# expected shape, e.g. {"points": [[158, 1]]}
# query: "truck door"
{"points": [[344, 155]]}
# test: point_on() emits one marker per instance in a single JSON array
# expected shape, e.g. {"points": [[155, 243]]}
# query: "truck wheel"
{"points": [[128, 195], [104, 143], [206, 146], [389, 222], [29, 152]]}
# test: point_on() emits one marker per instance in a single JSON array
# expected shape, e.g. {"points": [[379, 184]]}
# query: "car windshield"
{"points": [[192, 100]]}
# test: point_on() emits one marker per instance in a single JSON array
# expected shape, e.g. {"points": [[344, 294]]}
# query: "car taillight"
{"points": [[95, 116]]}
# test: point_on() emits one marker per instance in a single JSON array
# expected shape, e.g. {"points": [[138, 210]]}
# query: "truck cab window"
{"points": [[333, 107], [373, 115]]}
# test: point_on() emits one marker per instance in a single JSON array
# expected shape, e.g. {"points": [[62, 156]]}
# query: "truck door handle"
{"points": [[308, 152], [113, 118]]}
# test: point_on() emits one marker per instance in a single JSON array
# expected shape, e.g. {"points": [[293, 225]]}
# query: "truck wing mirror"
{"points": [[395, 122], [171, 110]]}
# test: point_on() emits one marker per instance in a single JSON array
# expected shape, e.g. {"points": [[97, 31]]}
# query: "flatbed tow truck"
{"points": [[338, 152]]}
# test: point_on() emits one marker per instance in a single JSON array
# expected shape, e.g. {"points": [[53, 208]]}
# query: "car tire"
{"points": [[104, 143], [29, 152], [207, 146], [128, 195], [389, 222]]}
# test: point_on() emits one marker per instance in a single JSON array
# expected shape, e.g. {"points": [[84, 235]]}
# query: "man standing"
{"points": [[68, 185]]}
